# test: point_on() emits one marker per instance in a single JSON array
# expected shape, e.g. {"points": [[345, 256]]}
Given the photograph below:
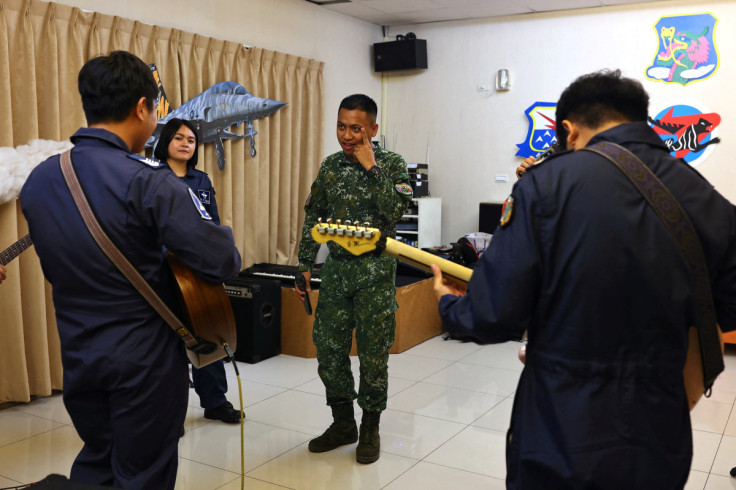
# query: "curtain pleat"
{"points": [[42, 47]]}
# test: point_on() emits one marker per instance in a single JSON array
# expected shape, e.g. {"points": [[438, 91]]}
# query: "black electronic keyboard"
{"points": [[285, 273]]}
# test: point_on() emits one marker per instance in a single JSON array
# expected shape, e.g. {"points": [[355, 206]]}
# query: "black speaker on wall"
{"points": [[257, 309], [408, 54]]}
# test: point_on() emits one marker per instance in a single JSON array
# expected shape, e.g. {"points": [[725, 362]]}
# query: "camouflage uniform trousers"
{"points": [[356, 293]]}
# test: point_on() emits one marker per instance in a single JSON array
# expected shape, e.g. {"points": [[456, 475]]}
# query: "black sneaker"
{"points": [[225, 413]]}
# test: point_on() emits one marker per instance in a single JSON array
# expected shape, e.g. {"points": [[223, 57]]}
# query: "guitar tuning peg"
{"points": [[367, 224], [329, 221], [339, 222], [348, 222], [320, 226], [357, 224]]}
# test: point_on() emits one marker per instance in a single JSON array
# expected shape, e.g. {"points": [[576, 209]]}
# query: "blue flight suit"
{"points": [[586, 266], [125, 370], [210, 382]]}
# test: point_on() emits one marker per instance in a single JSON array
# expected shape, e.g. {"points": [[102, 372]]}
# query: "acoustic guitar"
{"points": [[205, 310], [205, 307], [15, 249], [359, 240]]}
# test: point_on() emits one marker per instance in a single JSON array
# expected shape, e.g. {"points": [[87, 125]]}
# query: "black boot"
{"points": [[369, 445], [343, 430]]}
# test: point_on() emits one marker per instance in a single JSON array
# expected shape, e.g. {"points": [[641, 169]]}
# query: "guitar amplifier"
{"points": [[256, 306]]}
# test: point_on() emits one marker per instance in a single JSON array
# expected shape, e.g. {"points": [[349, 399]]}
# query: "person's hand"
{"points": [[303, 294], [522, 354], [2, 273], [521, 169], [443, 286], [364, 151]]}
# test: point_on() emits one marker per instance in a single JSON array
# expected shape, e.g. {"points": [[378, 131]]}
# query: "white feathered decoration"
{"points": [[16, 164]]}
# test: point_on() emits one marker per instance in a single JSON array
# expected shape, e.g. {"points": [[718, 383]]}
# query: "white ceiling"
{"points": [[402, 12]]}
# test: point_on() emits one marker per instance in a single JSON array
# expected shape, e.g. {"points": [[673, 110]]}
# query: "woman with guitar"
{"points": [[178, 147]]}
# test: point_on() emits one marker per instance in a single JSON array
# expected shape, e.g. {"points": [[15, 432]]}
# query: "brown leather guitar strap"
{"points": [[121, 262], [682, 231]]}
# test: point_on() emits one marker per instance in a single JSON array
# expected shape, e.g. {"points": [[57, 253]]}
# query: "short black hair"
{"points": [[167, 134], [598, 98], [112, 85], [360, 102]]}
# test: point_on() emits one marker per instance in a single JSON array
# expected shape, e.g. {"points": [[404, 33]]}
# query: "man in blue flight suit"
{"points": [[125, 369], [584, 264]]}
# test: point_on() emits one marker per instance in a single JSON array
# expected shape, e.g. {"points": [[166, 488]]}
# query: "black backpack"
{"points": [[464, 253]]}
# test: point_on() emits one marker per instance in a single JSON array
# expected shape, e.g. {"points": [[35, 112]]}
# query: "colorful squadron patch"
{"points": [[404, 189], [541, 133], [162, 103], [688, 129], [507, 211], [687, 50]]}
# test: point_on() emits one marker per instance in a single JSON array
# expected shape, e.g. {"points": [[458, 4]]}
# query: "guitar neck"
{"points": [[359, 240], [423, 260], [15, 249]]}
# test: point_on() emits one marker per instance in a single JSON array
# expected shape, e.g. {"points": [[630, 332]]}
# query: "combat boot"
{"points": [[343, 430], [369, 445]]}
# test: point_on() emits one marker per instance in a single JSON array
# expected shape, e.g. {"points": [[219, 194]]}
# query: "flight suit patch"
{"points": [[204, 196], [507, 211], [200, 207]]}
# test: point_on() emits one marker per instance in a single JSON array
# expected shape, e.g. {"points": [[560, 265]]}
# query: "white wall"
{"points": [[289, 26], [472, 136], [438, 113]]}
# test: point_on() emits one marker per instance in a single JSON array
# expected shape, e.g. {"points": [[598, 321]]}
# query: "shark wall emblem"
{"points": [[687, 50], [215, 111], [689, 131], [541, 133]]}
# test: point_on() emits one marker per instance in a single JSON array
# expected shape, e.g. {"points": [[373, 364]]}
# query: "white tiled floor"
{"points": [[448, 410]]}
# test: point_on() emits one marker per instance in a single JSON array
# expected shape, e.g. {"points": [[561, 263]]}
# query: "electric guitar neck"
{"points": [[359, 240], [15, 249]]}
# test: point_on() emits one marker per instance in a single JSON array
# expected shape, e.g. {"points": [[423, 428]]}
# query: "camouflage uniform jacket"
{"points": [[342, 190]]}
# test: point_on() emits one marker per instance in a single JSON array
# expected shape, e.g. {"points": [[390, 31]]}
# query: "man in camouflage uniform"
{"points": [[370, 185]]}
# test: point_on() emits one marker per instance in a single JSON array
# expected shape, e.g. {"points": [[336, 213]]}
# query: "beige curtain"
{"points": [[43, 46]]}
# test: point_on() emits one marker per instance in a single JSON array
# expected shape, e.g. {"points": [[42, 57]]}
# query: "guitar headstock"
{"points": [[353, 237]]}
